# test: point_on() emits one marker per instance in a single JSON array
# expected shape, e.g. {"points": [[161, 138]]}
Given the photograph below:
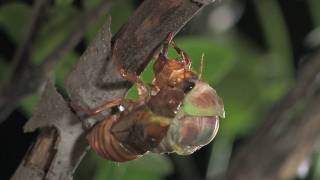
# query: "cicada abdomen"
{"points": [[128, 135], [106, 145]]}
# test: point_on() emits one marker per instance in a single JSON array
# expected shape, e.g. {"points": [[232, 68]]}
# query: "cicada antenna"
{"points": [[200, 72]]}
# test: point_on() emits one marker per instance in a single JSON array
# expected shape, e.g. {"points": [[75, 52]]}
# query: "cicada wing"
{"points": [[140, 130]]}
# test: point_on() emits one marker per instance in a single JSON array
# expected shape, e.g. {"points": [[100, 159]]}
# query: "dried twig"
{"points": [[22, 55], [11, 92], [76, 35], [288, 134], [96, 80]]}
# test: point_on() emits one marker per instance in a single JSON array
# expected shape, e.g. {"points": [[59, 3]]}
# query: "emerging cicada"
{"points": [[178, 113]]}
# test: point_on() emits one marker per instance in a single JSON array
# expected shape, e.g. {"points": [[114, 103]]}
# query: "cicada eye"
{"points": [[188, 86]]}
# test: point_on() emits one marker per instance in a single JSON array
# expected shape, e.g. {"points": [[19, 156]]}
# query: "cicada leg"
{"points": [[183, 55], [87, 122], [163, 56], [132, 77], [99, 109], [166, 44]]}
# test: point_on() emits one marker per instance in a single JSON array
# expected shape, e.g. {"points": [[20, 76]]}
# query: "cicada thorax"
{"points": [[172, 74], [166, 102], [128, 135]]}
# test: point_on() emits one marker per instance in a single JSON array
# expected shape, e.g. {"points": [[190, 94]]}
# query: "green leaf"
{"points": [[4, 71], [218, 59], [314, 11], [250, 87], [153, 163], [238, 86], [13, 18], [64, 2], [119, 13], [150, 166], [61, 22], [241, 99], [93, 29], [274, 81], [91, 4], [314, 172], [28, 104], [279, 58], [64, 66], [146, 76]]}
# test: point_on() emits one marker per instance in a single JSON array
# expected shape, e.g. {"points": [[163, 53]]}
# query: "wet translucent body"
{"points": [[187, 134], [193, 128]]}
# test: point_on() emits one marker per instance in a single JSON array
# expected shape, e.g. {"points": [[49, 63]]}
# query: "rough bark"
{"points": [[95, 80], [288, 133]]}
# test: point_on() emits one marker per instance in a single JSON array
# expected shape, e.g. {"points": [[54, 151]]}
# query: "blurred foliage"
{"points": [[3, 70], [64, 2], [61, 21], [248, 78], [13, 19], [150, 166], [315, 13]]}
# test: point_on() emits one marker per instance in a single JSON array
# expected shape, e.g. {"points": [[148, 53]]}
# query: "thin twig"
{"points": [[28, 78], [23, 54], [10, 93], [76, 35]]}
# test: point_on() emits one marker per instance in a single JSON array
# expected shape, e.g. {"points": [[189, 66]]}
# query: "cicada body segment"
{"points": [[188, 134], [127, 136], [103, 142], [197, 122]]}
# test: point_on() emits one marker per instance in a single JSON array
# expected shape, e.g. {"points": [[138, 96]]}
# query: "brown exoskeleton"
{"points": [[179, 114]]}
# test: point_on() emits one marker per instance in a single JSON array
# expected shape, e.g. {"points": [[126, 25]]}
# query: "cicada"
{"points": [[178, 112]]}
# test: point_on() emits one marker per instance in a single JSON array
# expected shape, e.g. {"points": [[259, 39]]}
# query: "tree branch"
{"points": [[95, 80], [22, 55], [76, 35], [287, 135], [10, 93]]}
